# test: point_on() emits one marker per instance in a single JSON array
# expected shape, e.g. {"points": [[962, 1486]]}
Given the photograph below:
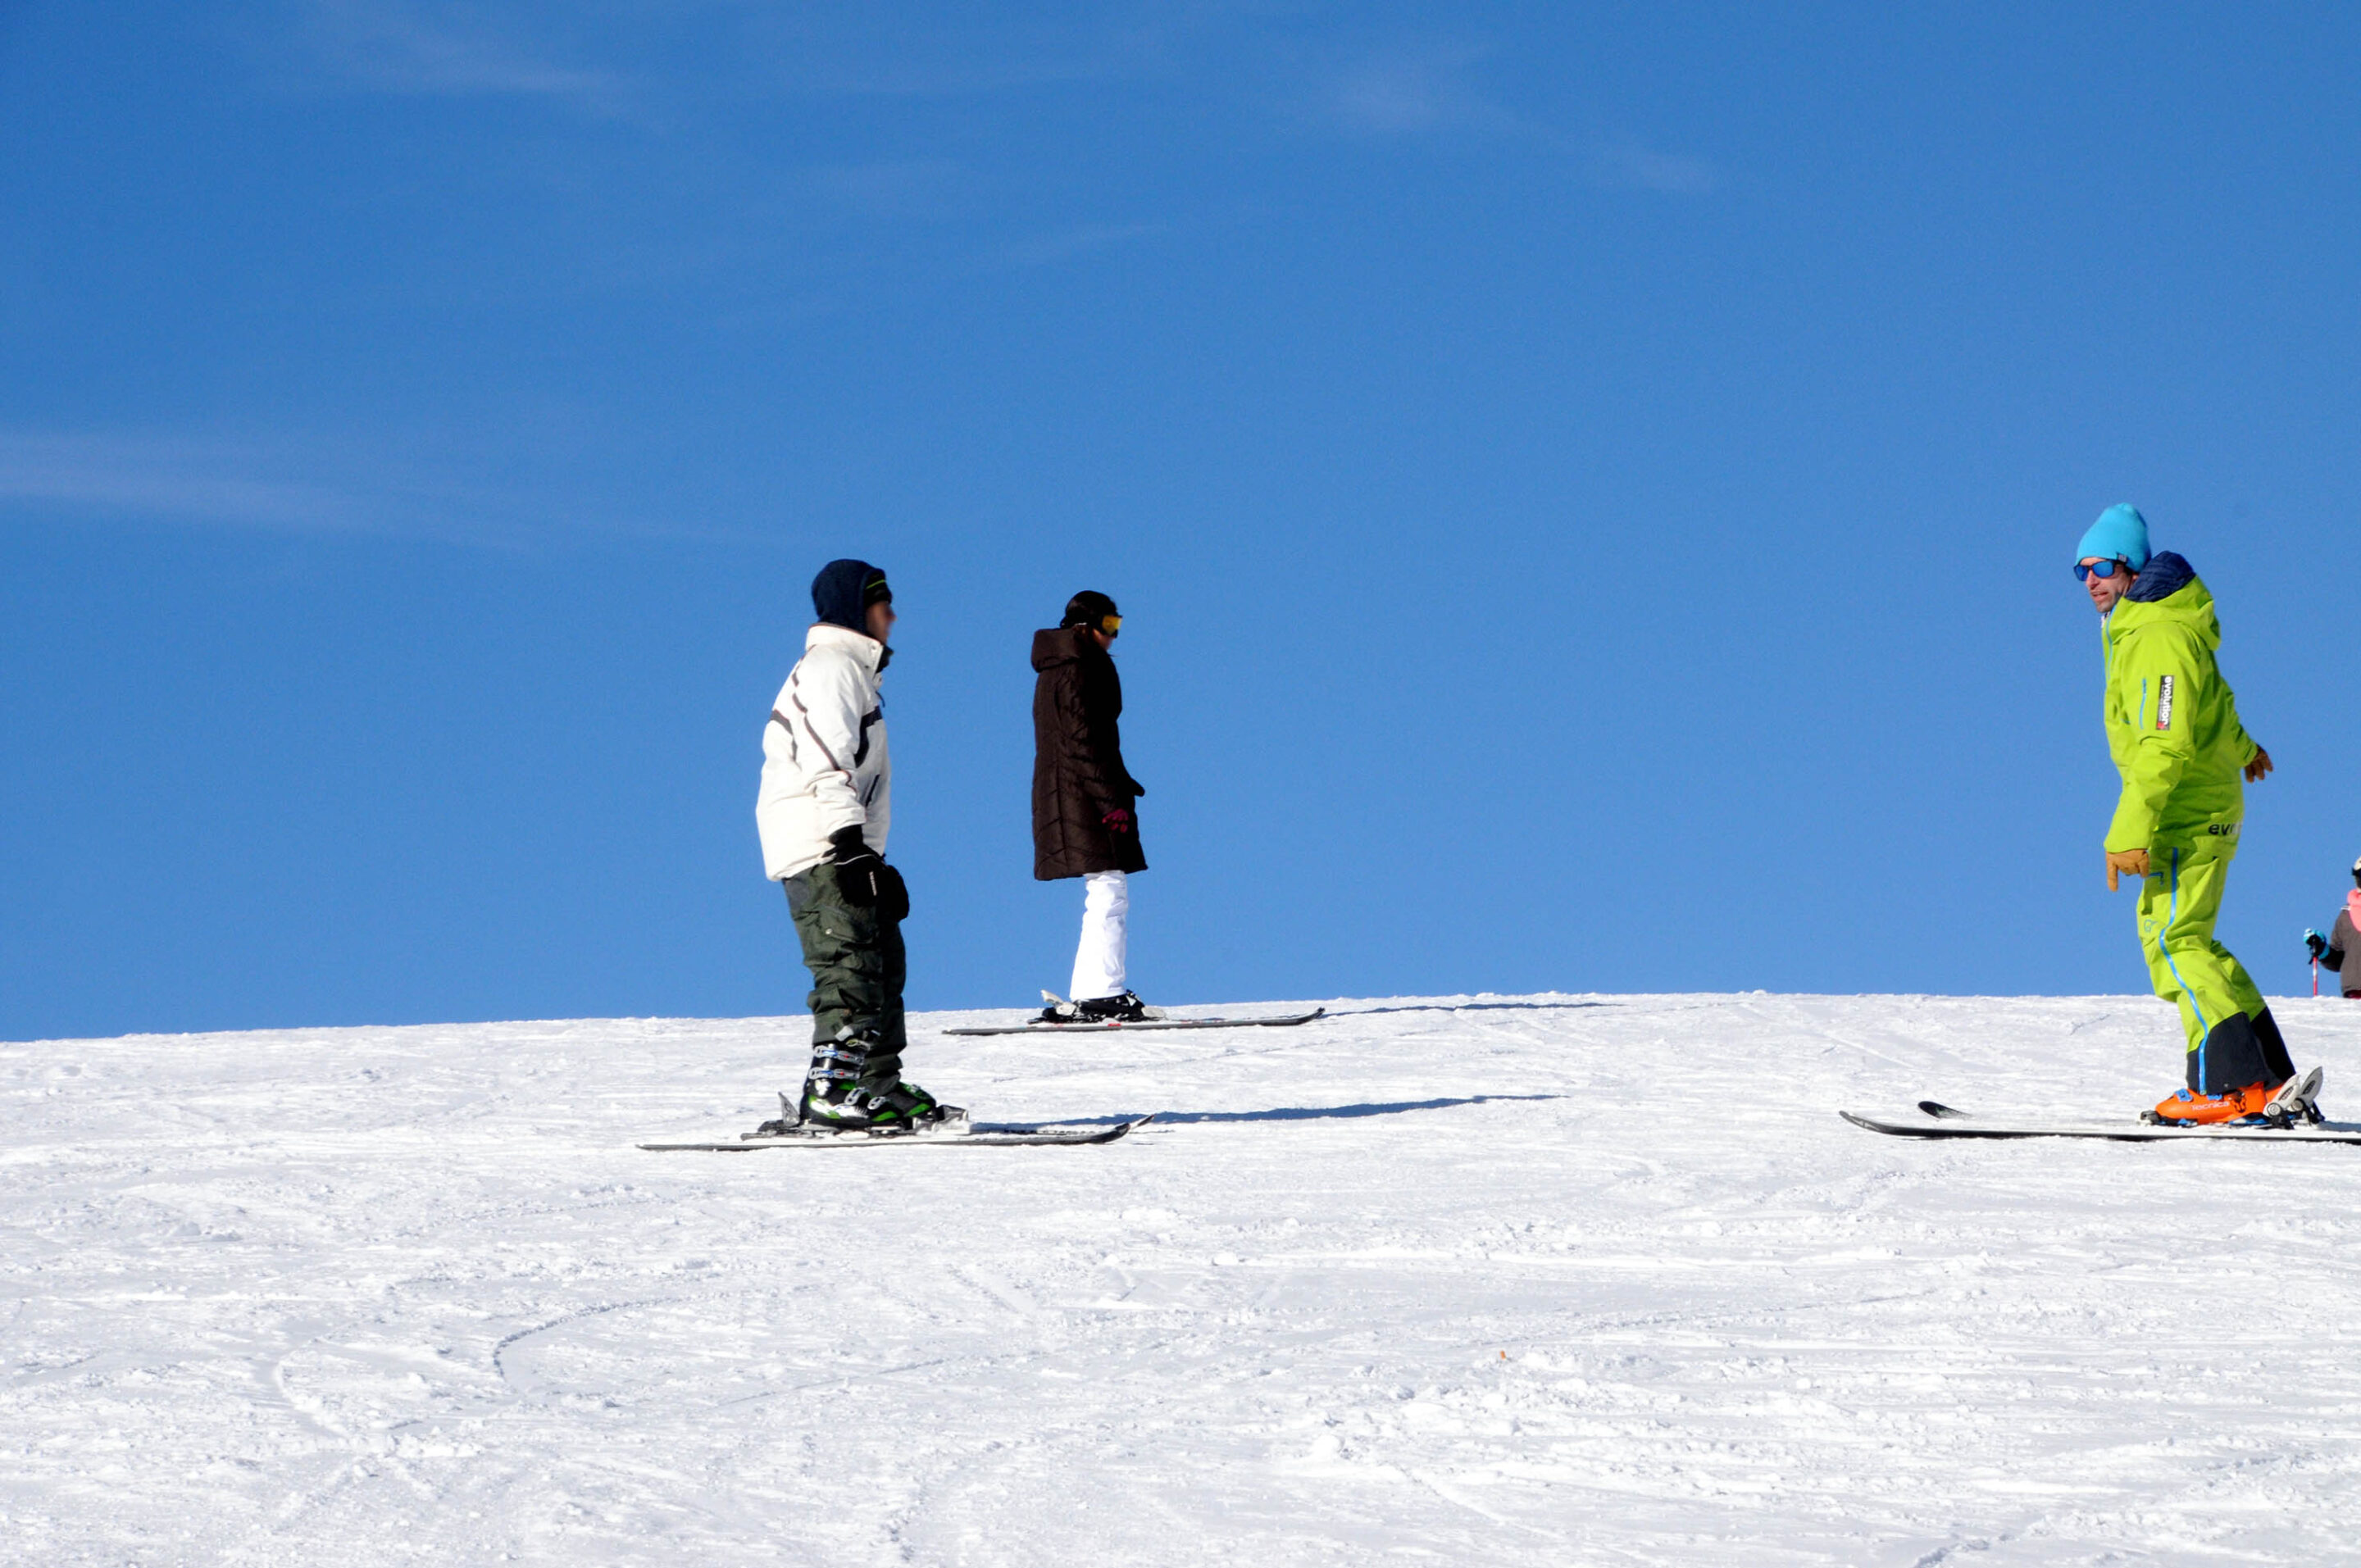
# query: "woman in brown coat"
{"points": [[1084, 823]]}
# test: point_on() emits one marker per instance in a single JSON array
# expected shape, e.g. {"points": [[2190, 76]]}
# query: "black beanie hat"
{"points": [[1090, 607], [844, 590]]}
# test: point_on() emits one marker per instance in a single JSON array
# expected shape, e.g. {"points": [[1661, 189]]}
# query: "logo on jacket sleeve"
{"points": [[2164, 702]]}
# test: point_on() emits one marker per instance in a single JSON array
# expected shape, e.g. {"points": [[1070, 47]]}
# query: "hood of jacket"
{"points": [[841, 593], [2165, 574], [2167, 591], [1062, 645]]}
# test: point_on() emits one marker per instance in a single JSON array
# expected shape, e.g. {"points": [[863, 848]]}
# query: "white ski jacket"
{"points": [[825, 766]]}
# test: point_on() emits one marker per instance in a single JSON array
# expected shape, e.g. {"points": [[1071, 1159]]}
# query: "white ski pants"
{"points": [[1106, 914]]}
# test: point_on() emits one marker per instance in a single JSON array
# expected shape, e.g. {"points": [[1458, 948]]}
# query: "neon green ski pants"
{"points": [[2178, 905]]}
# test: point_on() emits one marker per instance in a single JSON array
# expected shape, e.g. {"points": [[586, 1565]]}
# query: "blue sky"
{"points": [[1591, 488]]}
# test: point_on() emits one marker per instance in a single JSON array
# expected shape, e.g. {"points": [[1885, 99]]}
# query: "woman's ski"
{"points": [[1087, 1026]]}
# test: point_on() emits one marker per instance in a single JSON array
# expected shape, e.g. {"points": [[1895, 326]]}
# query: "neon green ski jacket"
{"points": [[2172, 720]]}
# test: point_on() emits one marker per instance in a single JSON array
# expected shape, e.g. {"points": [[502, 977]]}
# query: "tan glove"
{"points": [[2125, 862], [2258, 766]]}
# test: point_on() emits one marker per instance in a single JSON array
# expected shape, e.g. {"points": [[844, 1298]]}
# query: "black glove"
{"points": [[2315, 944], [867, 881]]}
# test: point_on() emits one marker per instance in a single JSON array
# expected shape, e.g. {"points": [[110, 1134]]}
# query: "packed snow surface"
{"points": [[1541, 1279]]}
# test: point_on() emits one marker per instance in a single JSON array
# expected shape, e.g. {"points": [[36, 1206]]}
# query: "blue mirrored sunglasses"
{"points": [[2103, 569]]}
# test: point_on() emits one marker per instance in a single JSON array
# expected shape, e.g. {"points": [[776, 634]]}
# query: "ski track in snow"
{"points": [[1518, 1280]]}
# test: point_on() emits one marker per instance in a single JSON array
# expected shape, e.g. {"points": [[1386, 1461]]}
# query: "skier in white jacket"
{"points": [[825, 806]]}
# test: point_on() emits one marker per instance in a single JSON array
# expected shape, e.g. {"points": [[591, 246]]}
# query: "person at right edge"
{"points": [[2172, 728], [2340, 951], [1085, 822]]}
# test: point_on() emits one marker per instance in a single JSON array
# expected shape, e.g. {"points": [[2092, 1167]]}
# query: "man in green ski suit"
{"points": [[2172, 727]]}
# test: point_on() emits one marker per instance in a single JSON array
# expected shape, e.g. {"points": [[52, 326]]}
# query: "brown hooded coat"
{"points": [[1077, 771]]}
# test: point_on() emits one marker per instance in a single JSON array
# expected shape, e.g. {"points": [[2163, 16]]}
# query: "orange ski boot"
{"points": [[2211, 1110]]}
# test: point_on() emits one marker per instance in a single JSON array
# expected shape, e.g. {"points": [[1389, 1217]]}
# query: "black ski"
{"points": [[982, 1135], [1100, 1026], [1941, 1121]]}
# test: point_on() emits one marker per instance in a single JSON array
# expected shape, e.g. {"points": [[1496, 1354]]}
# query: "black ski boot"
{"points": [[1126, 1008], [836, 1095], [895, 1108]]}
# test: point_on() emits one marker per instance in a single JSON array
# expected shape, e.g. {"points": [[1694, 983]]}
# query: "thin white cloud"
{"points": [[160, 477], [1407, 89], [440, 48], [1431, 90], [239, 483]]}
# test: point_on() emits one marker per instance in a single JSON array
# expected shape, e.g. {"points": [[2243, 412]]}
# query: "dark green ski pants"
{"points": [[857, 968]]}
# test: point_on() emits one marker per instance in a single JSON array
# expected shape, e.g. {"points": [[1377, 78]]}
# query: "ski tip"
{"points": [[1893, 1129], [1940, 1111]]}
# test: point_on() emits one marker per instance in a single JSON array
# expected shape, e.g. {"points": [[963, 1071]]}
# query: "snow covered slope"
{"points": [[1535, 1280]]}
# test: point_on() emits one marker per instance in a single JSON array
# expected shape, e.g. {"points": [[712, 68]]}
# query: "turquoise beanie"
{"points": [[2120, 534]]}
